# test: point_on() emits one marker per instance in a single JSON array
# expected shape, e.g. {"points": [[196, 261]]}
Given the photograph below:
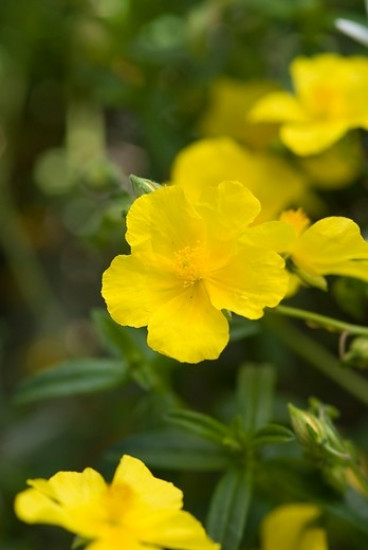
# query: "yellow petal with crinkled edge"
{"points": [[69, 499], [290, 527], [275, 235], [331, 244], [227, 209], [278, 107], [163, 221], [181, 530], [203, 165], [189, 328], [208, 162], [155, 492], [312, 137], [134, 287], [252, 279]]}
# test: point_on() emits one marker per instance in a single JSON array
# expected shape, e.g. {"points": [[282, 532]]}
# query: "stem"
{"points": [[321, 320], [319, 357]]}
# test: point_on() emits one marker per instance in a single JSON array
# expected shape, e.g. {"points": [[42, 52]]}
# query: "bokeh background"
{"points": [[90, 92]]}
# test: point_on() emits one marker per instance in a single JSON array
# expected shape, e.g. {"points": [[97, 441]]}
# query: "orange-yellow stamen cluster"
{"points": [[297, 219], [189, 265]]}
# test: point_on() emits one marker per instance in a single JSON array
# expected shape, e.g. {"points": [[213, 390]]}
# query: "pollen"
{"points": [[327, 102], [189, 264], [297, 219]]}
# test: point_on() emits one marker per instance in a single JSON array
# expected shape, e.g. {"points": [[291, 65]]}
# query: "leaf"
{"points": [[255, 389], [172, 449], [271, 434], [229, 508], [79, 376], [123, 341], [199, 424], [241, 328]]}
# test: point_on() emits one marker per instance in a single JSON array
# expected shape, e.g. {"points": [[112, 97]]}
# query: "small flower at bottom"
{"points": [[293, 527], [188, 263], [137, 511]]}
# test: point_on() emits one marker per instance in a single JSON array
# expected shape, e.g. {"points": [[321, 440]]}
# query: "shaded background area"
{"points": [[91, 91]]}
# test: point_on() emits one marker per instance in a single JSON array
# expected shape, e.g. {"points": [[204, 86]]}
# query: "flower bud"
{"points": [[142, 186]]}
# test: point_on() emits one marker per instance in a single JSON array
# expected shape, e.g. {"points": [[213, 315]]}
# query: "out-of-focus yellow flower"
{"points": [[331, 246], [330, 99], [336, 167], [207, 162], [227, 113], [189, 263], [136, 512], [293, 527]]}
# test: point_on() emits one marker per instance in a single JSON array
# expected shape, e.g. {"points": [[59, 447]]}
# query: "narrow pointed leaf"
{"points": [[199, 424], [229, 508], [80, 376], [255, 388]]}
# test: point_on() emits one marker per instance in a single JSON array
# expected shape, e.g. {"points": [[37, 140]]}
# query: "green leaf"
{"points": [[123, 341], [271, 434], [79, 376], [241, 328], [199, 424], [255, 388], [174, 450], [229, 508]]}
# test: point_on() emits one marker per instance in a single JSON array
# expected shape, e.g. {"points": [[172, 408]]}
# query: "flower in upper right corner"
{"points": [[330, 99]]}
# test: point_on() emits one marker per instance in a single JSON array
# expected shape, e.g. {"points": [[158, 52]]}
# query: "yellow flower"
{"points": [[227, 112], [293, 527], [187, 264], [210, 161], [330, 99], [331, 246], [137, 511]]}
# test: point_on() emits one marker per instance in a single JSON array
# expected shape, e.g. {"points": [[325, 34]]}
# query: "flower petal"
{"points": [[287, 527], [332, 245], [278, 107], [157, 493], [181, 531], [133, 289], [189, 328], [309, 138], [252, 279], [163, 221], [208, 162]]}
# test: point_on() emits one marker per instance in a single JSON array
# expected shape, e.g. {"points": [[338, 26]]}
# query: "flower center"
{"points": [[327, 102], [189, 265]]}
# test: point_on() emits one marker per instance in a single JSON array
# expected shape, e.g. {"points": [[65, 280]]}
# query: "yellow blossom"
{"points": [[331, 246], [330, 99], [293, 527], [209, 161], [188, 263], [227, 112], [137, 511]]}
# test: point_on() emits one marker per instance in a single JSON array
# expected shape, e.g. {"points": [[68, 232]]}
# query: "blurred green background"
{"points": [[91, 91]]}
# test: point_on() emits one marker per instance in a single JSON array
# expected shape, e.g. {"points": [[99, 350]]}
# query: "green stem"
{"points": [[321, 320], [319, 357]]}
